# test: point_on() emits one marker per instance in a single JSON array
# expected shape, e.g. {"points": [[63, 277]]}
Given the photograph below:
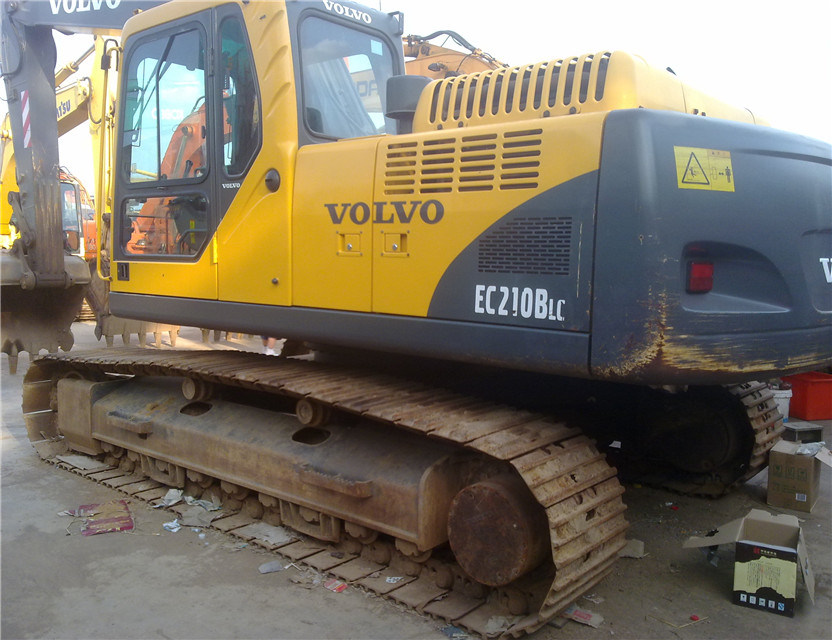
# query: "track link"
{"points": [[765, 421], [758, 423], [564, 471]]}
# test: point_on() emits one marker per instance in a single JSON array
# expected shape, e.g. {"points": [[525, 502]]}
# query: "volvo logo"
{"points": [[826, 265], [78, 6], [349, 12], [429, 211]]}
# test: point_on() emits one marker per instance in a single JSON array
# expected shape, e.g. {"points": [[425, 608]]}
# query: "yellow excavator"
{"points": [[497, 274]]}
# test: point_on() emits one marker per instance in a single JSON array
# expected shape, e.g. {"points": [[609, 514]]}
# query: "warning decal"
{"points": [[708, 169]]}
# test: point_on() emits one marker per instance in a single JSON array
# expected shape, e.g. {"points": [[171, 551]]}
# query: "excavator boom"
{"points": [[43, 284]]}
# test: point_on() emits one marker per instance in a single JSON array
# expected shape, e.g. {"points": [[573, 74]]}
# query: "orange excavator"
{"points": [[425, 58]]}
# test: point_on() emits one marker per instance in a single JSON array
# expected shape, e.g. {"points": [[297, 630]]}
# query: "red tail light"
{"points": [[700, 276]]}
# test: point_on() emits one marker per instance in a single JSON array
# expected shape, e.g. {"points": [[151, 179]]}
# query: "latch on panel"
{"points": [[395, 245], [349, 244]]}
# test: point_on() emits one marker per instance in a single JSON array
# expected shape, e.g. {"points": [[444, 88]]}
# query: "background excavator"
{"points": [[489, 268], [32, 322]]}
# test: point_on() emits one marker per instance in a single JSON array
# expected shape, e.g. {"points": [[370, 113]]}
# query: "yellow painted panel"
{"points": [[512, 163], [181, 280], [332, 225], [254, 248], [254, 237]]}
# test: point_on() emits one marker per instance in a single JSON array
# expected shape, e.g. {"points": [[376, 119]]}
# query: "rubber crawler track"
{"points": [[762, 419], [765, 421], [567, 475]]}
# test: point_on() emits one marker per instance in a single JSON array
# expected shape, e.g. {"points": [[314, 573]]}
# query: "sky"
{"points": [[772, 57]]}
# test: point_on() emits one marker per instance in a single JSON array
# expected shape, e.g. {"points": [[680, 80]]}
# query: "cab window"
{"points": [[344, 76], [240, 104], [164, 125]]}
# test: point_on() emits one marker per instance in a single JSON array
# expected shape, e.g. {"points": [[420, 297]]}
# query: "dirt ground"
{"points": [[152, 583]]}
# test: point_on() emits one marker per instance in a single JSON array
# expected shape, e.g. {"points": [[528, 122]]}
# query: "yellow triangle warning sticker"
{"points": [[694, 173], [708, 169]]}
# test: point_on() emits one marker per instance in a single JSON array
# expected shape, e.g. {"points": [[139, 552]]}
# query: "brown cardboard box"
{"points": [[794, 479], [770, 552]]}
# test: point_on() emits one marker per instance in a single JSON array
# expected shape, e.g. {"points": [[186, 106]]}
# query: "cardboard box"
{"points": [[794, 479], [769, 553]]}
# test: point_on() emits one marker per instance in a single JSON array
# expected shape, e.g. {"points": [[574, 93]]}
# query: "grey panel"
{"points": [[768, 309], [518, 348], [531, 268]]}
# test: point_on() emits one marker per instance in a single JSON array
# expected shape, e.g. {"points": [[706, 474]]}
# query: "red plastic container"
{"points": [[811, 396]]}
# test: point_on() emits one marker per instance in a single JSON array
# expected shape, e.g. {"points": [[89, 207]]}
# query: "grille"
{"points": [[528, 246], [461, 163], [538, 90]]}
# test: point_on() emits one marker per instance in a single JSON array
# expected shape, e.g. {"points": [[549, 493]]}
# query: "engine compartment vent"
{"points": [[464, 163], [533, 245], [541, 90]]}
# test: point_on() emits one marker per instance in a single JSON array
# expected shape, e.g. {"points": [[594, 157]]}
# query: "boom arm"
{"points": [[33, 317]]}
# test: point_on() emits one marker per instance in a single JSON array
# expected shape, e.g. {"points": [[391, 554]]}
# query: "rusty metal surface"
{"points": [[574, 487], [497, 530]]}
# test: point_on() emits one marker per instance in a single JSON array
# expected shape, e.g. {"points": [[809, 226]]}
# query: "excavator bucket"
{"points": [[35, 319]]}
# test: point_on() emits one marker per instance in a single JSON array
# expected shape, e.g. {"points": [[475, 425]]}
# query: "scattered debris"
{"points": [[594, 599], [271, 567], [679, 626], [102, 518], [711, 554], [498, 624], [584, 616], [695, 618], [454, 633], [208, 505], [335, 585], [171, 498], [173, 526], [196, 517], [633, 549], [265, 532], [307, 578], [394, 579]]}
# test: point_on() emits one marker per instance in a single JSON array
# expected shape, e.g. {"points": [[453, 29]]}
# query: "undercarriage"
{"points": [[492, 512]]}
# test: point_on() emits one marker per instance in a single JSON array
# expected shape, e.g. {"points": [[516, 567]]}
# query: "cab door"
{"points": [[166, 206]]}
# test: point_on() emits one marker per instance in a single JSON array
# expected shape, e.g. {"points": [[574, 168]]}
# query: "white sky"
{"points": [[773, 57]]}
